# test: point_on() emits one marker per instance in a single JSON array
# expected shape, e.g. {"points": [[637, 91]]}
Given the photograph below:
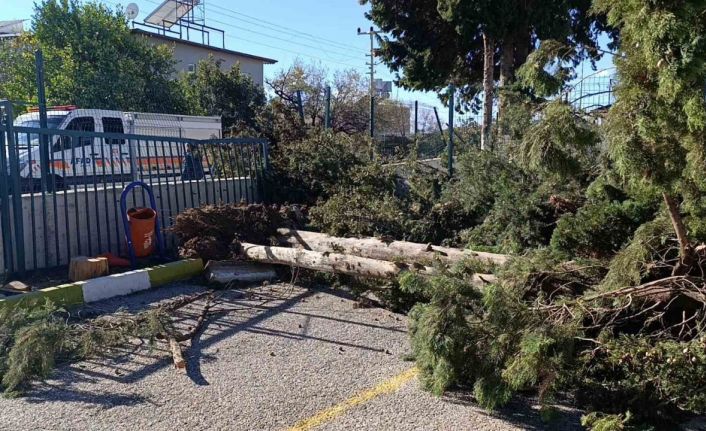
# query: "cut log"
{"points": [[339, 263], [230, 271], [327, 262], [376, 249], [85, 268], [177, 355]]}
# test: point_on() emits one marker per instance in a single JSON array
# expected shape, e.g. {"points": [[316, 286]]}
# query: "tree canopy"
{"points": [[432, 43], [230, 94], [91, 59]]}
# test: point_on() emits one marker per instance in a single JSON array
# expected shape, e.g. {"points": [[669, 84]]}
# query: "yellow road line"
{"points": [[327, 415]]}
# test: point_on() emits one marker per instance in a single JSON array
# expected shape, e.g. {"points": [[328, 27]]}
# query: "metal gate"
{"points": [[60, 189]]}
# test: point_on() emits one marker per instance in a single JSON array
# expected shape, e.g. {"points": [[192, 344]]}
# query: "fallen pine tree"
{"points": [[245, 231], [392, 250], [34, 339], [339, 263], [636, 353]]}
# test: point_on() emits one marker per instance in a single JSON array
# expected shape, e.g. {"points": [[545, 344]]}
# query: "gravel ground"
{"points": [[279, 355]]}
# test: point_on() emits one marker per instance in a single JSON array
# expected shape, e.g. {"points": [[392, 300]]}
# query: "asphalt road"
{"points": [[278, 358]]}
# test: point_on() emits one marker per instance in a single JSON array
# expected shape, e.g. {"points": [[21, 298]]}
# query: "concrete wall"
{"points": [[88, 222]]}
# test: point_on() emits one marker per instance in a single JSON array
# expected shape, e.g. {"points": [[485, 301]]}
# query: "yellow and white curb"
{"points": [[98, 289]]}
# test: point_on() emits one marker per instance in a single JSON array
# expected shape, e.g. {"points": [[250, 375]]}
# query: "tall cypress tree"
{"points": [[656, 127]]}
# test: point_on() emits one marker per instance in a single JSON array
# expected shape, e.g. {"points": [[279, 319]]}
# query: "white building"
{"points": [[11, 29], [188, 53]]}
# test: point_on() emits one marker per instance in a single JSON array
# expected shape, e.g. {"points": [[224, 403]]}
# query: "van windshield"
{"points": [[32, 139]]}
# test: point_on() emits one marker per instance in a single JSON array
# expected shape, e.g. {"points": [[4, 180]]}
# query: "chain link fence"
{"points": [[403, 128]]}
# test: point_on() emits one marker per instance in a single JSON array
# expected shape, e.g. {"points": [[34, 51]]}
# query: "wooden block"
{"points": [[84, 268], [17, 286]]}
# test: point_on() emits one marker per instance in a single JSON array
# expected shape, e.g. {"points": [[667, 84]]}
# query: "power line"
{"points": [[284, 40], [282, 29], [293, 52], [279, 48], [288, 30]]}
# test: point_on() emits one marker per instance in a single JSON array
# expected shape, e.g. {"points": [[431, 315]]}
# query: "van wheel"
{"points": [[55, 183]]}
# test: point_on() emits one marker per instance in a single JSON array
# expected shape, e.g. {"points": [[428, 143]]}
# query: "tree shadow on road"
{"points": [[523, 412], [243, 311], [133, 366]]}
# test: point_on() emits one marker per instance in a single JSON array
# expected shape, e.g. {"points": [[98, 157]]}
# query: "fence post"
{"points": [[327, 117], [43, 137], [300, 106], [4, 194], [438, 123], [452, 90], [416, 117], [14, 168]]}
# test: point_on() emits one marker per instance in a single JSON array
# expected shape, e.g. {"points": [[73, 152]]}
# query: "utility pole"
{"points": [[372, 33]]}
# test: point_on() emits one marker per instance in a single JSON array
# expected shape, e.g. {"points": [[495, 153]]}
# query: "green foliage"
{"points": [[315, 167], [651, 243], [491, 392], [512, 209], [657, 377], [656, 128], [360, 214], [599, 229], [34, 338], [561, 143], [489, 340], [458, 28], [30, 339], [546, 70], [406, 202], [600, 422], [506, 340], [33, 354], [516, 222], [229, 94], [439, 330], [91, 60]]}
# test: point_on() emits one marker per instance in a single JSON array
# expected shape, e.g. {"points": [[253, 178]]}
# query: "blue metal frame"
{"points": [[126, 221]]}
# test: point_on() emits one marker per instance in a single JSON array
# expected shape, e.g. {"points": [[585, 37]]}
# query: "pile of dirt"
{"points": [[209, 231]]}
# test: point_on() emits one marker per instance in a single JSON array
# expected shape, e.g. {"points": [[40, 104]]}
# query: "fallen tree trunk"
{"points": [[376, 249], [177, 355], [339, 263]]}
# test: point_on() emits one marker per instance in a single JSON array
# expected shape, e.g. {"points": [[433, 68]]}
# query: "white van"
{"points": [[73, 159]]}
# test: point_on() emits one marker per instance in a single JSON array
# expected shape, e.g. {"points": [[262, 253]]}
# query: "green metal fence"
{"points": [[60, 189]]}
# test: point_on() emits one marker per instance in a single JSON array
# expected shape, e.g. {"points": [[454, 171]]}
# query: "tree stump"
{"points": [[84, 268]]}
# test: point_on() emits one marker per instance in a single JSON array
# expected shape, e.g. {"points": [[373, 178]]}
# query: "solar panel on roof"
{"points": [[170, 11]]}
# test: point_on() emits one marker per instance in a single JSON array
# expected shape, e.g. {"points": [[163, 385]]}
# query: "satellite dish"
{"points": [[131, 11]]}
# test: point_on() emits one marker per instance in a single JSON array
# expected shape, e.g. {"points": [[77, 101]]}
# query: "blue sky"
{"points": [[322, 31]]}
